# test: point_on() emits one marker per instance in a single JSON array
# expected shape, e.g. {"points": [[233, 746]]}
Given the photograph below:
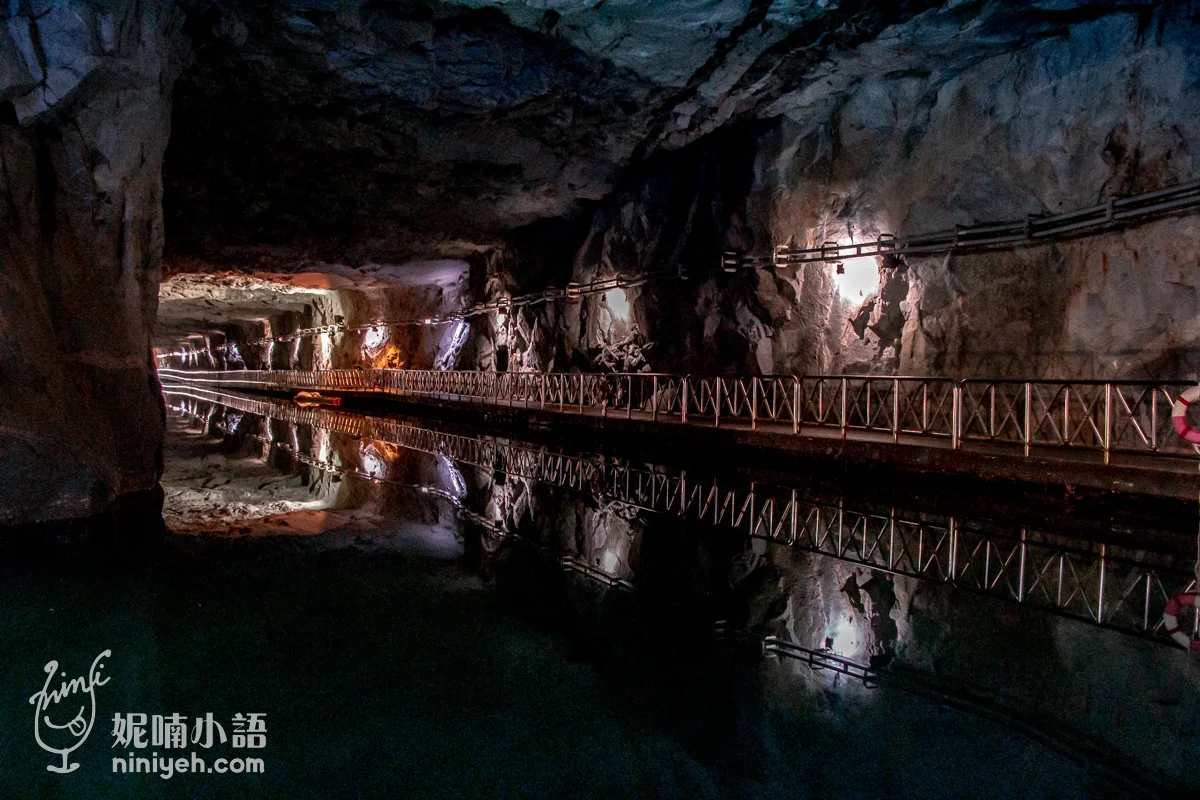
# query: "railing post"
{"points": [[895, 410], [654, 397], [1021, 574], [1107, 423], [1028, 433], [992, 412], [717, 405], [924, 407], [581, 393], [953, 550], [683, 406], [795, 404], [753, 403], [629, 399], [868, 420], [844, 408], [1103, 574], [543, 392], [1154, 420], [795, 516], [1066, 431]]}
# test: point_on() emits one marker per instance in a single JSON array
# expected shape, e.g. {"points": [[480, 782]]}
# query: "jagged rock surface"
{"points": [[84, 120], [1101, 109], [544, 142]]}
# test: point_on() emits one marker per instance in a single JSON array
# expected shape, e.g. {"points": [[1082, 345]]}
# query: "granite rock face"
{"points": [[84, 120]]}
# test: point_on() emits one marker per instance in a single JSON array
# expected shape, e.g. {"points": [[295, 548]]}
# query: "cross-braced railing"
{"points": [[1023, 416], [1093, 582]]}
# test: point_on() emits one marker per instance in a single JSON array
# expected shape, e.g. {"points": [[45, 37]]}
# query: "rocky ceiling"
{"points": [[325, 130], [316, 132]]}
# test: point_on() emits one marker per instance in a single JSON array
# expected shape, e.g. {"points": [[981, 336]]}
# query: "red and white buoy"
{"points": [[1171, 619], [1171, 610], [1179, 415]]}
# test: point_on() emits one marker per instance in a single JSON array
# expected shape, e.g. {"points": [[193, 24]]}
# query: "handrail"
{"points": [[1090, 581], [1034, 415], [1030, 230]]}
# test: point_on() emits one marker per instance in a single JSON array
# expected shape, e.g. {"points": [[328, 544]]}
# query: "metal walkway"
{"points": [[1091, 423]]}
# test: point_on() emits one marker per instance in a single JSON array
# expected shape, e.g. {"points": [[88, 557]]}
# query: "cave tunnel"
{"points": [[688, 398]]}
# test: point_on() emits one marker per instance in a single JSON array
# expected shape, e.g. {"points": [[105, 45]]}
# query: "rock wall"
{"points": [[241, 310], [84, 120], [1102, 108]]}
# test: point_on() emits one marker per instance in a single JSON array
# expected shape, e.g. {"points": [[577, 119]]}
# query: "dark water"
{"points": [[418, 625]]}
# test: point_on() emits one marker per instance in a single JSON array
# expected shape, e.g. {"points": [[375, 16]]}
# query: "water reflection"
{"points": [[943, 656], [849, 602]]}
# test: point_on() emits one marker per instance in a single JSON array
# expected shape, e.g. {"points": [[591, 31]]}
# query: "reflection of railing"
{"points": [[574, 564], [817, 660], [1024, 416], [1091, 582]]}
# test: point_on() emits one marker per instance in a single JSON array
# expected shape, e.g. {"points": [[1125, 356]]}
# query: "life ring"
{"points": [[1171, 621], [1179, 415]]}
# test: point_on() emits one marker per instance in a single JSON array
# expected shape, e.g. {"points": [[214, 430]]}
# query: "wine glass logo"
{"points": [[59, 703]]}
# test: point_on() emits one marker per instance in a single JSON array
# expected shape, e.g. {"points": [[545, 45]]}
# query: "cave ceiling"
{"points": [[308, 133]]}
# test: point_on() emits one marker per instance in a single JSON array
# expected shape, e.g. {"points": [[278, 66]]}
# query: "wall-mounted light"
{"points": [[618, 303], [375, 337], [846, 641], [857, 279]]}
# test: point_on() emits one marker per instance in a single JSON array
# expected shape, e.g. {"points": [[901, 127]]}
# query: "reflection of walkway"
{"points": [[1087, 581], [1104, 435]]}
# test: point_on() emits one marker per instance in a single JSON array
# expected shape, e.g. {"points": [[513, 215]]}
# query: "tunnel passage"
{"points": [[729, 388]]}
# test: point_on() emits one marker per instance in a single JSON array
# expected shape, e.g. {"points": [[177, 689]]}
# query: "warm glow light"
{"points": [[617, 303], [859, 280]]}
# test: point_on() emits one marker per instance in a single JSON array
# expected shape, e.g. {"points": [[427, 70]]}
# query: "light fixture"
{"points": [[856, 279], [617, 302]]}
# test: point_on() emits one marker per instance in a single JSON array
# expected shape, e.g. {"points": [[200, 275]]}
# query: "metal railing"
{"points": [[1116, 212], [1025, 417], [1092, 582]]}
